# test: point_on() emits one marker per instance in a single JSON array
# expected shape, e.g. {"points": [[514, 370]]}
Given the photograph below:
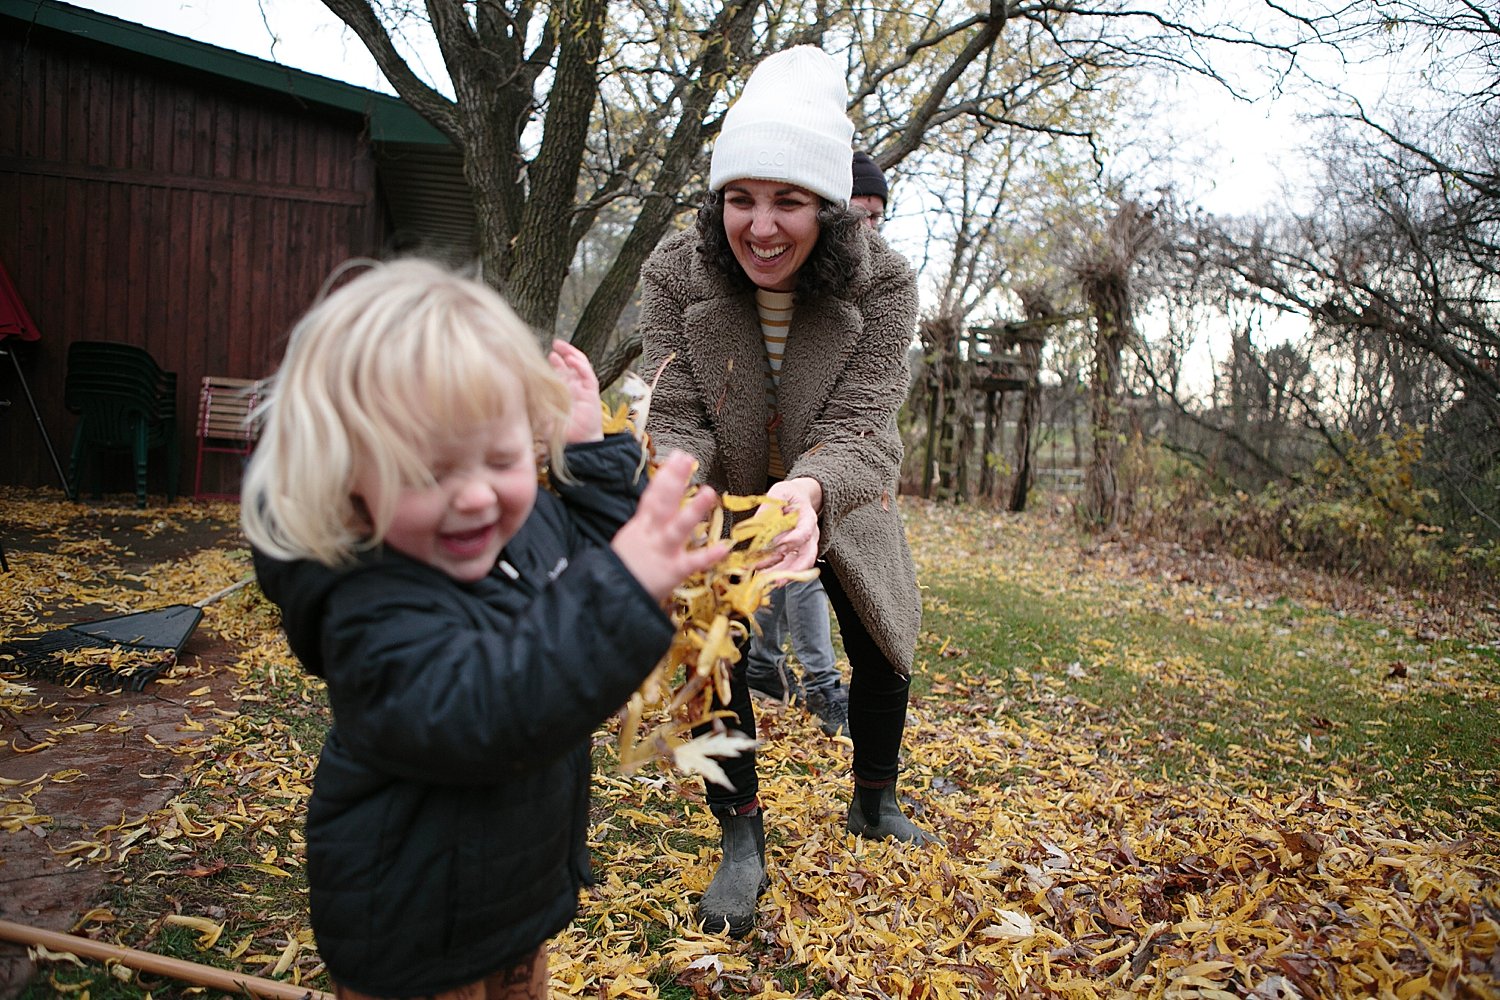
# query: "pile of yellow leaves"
{"points": [[1069, 866], [1064, 873], [123, 665]]}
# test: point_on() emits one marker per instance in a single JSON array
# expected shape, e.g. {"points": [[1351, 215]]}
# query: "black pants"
{"points": [[877, 708]]}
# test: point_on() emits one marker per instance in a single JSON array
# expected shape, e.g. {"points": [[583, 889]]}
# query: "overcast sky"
{"points": [[1245, 147], [299, 33]]}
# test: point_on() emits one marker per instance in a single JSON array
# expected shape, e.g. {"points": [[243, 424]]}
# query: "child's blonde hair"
{"points": [[374, 373]]}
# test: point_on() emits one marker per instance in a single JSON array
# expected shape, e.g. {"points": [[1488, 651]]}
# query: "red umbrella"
{"points": [[15, 321]]}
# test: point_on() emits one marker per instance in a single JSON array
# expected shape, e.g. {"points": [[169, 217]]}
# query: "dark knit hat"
{"points": [[868, 179]]}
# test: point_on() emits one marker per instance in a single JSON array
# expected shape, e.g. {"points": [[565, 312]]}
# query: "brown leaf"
{"points": [[1308, 845], [1117, 915]]}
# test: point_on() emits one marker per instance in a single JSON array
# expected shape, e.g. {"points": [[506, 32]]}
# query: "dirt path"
{"points": [[74, 761]]}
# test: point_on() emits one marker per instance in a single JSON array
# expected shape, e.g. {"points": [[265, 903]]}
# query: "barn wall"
{"points": [[177, 212]]}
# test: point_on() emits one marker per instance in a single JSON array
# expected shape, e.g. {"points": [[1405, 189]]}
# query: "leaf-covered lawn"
{"points": [[1154, 774]]}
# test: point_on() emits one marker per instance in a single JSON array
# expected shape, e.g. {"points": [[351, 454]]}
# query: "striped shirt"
{"points": [[775, 309]]}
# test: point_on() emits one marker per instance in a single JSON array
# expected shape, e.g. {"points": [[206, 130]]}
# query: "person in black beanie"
{"points": [[870, 189]]}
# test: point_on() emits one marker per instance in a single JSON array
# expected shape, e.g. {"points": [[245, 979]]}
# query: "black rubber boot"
{"points": [[728, 905], [887, 821], [832, 709]]}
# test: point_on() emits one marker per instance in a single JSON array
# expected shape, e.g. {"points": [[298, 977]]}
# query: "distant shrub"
{"points": [[1366, 513]]}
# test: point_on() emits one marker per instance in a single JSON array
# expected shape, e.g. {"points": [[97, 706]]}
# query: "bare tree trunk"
{"points": [[1075, 425], [963, 419], [934, 431], [1105, 279], [492, 83], [491, 201], [728, 37], [1100, 506], [987, 444], [1026, 423], [618, 360], [939, 337], [1041, 314], [544, 249]]}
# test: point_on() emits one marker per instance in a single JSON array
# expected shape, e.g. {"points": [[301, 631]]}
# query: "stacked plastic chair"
{"points": [[125, 402]]}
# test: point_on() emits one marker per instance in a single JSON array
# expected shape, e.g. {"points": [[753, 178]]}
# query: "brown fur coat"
{"points": [[843, 378]]}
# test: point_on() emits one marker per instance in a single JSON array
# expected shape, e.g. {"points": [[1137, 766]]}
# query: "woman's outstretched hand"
{"points": [[586, 419], [797, 547], [653, 544]]}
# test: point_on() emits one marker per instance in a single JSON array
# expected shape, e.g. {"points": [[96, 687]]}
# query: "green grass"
{"points": [[1279, 691]]}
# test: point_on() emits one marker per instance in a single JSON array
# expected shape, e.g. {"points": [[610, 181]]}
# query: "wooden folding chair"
{"points": [[225, 425]]}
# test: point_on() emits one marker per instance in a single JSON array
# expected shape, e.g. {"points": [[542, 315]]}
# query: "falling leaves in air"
{"points": [[713, 612]]}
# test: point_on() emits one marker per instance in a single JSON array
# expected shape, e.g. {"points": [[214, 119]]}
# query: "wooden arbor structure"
{"points": [[967, 377]]}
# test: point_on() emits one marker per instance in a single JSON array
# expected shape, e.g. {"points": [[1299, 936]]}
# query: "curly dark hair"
{"points": [[828, 269]]}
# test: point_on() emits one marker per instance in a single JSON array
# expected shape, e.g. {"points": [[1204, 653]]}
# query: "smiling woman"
{"points": [[780, 326], [772, 228]]}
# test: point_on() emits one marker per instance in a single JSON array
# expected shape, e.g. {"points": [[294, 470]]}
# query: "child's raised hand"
{"points": [[653, 544], [586, 421]]}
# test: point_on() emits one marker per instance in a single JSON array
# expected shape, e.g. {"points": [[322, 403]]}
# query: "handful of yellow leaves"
{"points": [[714, 612]]}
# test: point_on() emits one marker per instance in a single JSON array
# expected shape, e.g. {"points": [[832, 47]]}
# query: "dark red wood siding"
{"points": [[175, 211]]}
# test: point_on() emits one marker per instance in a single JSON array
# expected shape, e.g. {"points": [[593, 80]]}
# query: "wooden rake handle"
{"points": [[211, 598], [234, 983]]}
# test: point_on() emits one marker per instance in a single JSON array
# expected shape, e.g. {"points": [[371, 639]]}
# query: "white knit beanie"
{"points": [[789, 124]]}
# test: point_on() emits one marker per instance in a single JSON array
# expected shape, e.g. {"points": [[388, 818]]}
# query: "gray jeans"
{"points": [[801, 609]]}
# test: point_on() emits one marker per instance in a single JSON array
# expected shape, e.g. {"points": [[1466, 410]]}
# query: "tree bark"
{"points": [[1100, 483], [1026, 423], [544, 249], [619, 359], [730, 35], [1104, 275]]}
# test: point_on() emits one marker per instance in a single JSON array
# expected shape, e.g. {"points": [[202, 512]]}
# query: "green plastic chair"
{"points": [[125, 402]]}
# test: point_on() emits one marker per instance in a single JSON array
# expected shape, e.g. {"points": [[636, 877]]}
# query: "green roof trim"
{"points": [[391, 119]]}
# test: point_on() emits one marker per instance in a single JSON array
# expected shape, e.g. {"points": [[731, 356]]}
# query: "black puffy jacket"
{"points": [[446, 830]]}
